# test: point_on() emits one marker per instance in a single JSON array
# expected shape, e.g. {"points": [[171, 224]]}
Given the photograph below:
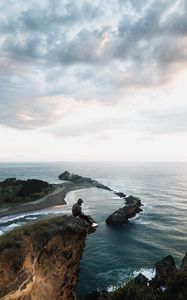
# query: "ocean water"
{"points": [[113, 255]]}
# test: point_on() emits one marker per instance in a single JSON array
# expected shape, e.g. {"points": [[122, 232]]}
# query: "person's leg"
{"points": [[91, 219], [86, 218]]}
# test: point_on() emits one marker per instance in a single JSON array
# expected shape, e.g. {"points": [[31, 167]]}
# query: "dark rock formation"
{"points": [[122, 215], [165, 269], [168, 284], [40, 261], [184, 264], [67, 176], [121, 195], [141, 280], [12, 190]]}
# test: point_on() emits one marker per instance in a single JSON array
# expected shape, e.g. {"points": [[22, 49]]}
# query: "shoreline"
{"points": [[56, 198]]}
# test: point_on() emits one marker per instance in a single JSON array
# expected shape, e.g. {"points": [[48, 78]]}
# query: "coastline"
{"points": [[56, 198]]}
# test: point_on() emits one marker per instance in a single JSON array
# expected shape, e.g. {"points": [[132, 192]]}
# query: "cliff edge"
{"points": [[41, 260]]}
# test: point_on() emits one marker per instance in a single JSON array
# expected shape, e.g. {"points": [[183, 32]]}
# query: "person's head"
{"points": [[80, 201]]}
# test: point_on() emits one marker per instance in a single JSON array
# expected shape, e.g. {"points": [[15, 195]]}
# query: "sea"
{"points": [[114, 255]]}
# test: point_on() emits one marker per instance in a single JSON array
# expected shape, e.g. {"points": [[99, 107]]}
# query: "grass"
{"points": [[41, 231]]}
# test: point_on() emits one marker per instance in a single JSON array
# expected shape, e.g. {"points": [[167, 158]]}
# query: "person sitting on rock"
{"points": [[77, 211]]}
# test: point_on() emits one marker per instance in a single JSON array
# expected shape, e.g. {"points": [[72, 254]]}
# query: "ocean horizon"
{"points": [[113, 255]]}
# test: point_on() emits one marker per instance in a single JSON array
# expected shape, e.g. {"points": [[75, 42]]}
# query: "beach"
{"points": [[55, 198]]}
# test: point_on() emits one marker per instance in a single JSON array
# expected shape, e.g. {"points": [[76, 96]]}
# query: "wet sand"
{"points": [[56, 198]]}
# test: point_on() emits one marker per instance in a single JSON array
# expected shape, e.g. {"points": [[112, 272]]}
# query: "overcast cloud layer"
{"points": [[56, 55]]}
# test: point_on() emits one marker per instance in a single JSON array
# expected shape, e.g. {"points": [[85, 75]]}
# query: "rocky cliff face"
{"points": [[41, 260]]}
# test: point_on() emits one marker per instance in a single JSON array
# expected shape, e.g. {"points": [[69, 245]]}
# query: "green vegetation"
{"points": [[41, 231], [14, 191]]}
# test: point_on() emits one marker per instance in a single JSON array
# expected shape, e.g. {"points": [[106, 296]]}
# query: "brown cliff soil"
{"points": [[40, 261]]}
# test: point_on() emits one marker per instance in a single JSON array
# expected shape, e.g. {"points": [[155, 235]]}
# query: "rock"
{"points": [[122, 215], [41, 260], [95, 296], [74, 178], [9, 181], [165, 269], [121, 195], [140, 288], [184, 264], [141, 280], [133, 200]]}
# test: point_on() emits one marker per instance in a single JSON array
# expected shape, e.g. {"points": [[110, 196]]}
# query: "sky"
{"points": [[101, 80]]}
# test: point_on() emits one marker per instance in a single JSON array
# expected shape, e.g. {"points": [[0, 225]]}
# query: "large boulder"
{"points": [[184, 264], [165, 269], [120, 194], [141, 280], [122, 215]]}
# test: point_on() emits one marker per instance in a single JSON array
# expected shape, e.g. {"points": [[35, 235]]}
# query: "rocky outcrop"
{"points": [[74, 178], [120, 194], [165, 269], [13, 191], [40, 261], [122, 215], [168, 284]]}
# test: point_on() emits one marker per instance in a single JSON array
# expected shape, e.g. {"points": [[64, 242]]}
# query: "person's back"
{"points": [[76, 210]]}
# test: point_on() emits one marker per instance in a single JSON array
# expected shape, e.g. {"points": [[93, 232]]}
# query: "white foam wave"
{"points": [[148, 273], [11, 218], [13, 225], [1, 232], [113, 279], [140, 221]]}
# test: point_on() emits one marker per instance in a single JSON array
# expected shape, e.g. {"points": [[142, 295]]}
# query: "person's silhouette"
{"points": [[77, 212]]}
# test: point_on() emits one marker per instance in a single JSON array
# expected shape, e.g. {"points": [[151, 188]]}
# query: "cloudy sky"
{"points": [[93, 80]]}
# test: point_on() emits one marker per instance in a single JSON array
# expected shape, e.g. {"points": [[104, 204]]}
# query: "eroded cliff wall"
{"points": [[41, 260]]}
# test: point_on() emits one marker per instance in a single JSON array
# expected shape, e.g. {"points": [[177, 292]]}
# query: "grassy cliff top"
{"points": [[41, 231]]}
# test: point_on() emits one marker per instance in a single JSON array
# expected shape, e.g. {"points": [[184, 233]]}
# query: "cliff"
{"points": [[41, 260]]}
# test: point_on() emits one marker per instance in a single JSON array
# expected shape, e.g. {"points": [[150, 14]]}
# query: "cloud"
{"points": [[84, 51]]}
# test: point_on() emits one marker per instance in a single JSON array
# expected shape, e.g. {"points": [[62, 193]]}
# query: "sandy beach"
{"points": [[56, 198]]}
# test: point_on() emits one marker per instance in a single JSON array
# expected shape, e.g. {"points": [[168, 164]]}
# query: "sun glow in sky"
{"points": [[93, 80]]}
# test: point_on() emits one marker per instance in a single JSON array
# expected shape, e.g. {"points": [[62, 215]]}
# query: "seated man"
{"points": [[77, 211]]}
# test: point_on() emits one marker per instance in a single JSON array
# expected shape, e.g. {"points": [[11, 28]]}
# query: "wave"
{"points": [[31, 218], [149, 273], [12, 226], [113, 279]]}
